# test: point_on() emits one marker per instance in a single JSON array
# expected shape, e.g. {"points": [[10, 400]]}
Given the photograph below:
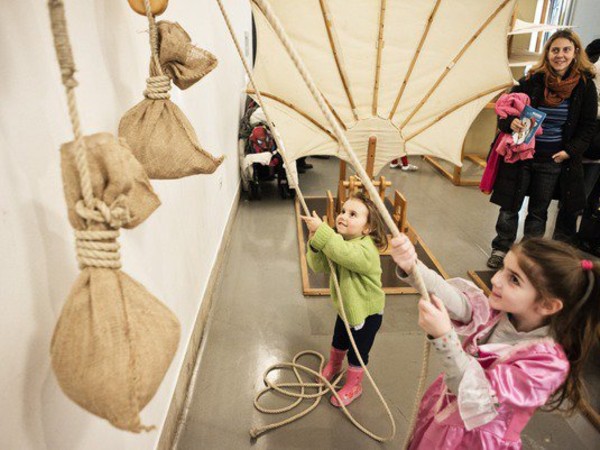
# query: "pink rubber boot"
{"points": [[334, 365], [353, 387]]}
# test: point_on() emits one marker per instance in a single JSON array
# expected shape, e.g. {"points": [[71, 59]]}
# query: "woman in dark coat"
{"points": [[561, 86]]}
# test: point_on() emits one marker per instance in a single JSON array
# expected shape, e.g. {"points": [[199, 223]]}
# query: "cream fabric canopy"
{"points": [[413, 73]]}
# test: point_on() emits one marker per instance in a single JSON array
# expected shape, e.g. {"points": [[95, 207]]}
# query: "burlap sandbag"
{"points": [[180, 59], [116, 177], [158, 132], [112, 346], [114, 341], [164, 141]]}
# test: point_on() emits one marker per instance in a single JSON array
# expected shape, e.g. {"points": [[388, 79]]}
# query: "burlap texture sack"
{"points": [[114, 341], [180, 59], [163, 140], [112, 346], [115, 173]]}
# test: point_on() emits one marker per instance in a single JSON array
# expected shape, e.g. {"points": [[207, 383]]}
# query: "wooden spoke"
{"points": [[454, 61], [380, 45], [295, 109], [414, 59], [455, 107], [336, 55], [371, 155]]}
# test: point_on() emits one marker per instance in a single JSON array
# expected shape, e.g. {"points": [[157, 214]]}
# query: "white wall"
{"points": [[172, 253], [586, 20]]}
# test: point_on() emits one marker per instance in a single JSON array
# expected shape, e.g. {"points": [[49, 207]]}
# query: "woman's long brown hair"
{"points": [[555, 270], [581, 63]]}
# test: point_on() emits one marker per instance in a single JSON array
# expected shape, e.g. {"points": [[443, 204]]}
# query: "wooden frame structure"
{"points": [[329, 206]]}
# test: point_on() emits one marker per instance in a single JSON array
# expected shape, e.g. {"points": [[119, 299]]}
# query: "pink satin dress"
{"points": [[499, 392]]}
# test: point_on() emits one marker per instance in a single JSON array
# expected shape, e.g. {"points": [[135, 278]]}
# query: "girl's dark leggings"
{"points": [[364, 338]]}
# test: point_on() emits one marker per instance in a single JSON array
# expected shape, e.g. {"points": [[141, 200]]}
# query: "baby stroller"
{"points": [[260, 162]]}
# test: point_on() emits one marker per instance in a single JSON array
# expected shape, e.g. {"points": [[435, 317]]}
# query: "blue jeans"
{"points": [[539, 179]]}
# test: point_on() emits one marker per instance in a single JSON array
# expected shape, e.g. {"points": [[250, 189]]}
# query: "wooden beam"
{"points": [[414, 60], [356, 183], [342, 170], [380, 44], [453, 63], [336, 55], [292, 107], [330, 210], [371, 155], [455, 107]]}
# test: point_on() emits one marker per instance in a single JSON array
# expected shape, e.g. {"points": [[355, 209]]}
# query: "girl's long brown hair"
{"points": [[581, 63], [377, 228], [555, 270]]}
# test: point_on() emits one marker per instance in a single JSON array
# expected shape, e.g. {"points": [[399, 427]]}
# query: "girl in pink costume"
{"points": [[524, 346]]}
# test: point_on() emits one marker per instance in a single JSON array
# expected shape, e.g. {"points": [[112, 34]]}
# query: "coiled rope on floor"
{"points": [[367, 183]]}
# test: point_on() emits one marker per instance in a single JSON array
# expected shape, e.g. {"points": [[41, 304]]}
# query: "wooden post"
{"points": [[382, 187], [341, 198], [400, 204], [351, 185], [342, 170], [330, 210], [371, 155]]}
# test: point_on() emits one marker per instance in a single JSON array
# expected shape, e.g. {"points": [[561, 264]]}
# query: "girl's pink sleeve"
{"points": [[481, 312]]}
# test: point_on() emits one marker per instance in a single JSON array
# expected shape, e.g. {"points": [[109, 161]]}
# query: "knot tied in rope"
{"points": [[98, 249], [115, 215], [158, 87]]}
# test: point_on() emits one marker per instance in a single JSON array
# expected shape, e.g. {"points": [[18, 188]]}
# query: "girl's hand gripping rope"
{"points": [[312, 223], [434, 318], [403, 253]]}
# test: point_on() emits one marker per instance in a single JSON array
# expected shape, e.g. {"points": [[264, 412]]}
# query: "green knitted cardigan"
{"points": [[358, 268]]}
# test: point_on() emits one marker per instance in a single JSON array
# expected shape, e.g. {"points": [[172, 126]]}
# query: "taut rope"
{"points": [[94, 248], [265, 7]]}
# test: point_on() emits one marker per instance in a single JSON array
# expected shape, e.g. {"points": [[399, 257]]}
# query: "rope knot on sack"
{"points": [[158, 87], [115, 215], [98, 249]]}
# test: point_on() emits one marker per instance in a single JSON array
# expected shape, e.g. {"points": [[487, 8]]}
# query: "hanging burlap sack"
{"points": [[182, 61], [114, 341], [159, 134], [110, 161]]}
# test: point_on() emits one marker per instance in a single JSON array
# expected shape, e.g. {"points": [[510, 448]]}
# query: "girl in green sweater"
{"points": [[354, 251]]}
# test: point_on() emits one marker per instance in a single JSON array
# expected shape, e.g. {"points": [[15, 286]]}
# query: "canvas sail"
{"points": [[415, 74]]}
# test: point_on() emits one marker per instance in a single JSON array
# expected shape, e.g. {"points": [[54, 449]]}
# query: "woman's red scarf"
{"points": [[557, 90]]}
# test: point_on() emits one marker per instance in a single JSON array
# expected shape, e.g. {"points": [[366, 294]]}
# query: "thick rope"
{"points": [[95, 248], [66, 62], [98, 249], [157, 86], [254, 432], [278, 28], [366, 181]]}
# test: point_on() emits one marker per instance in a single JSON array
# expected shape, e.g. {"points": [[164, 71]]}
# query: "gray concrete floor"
{"points": [[260, 317]]}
